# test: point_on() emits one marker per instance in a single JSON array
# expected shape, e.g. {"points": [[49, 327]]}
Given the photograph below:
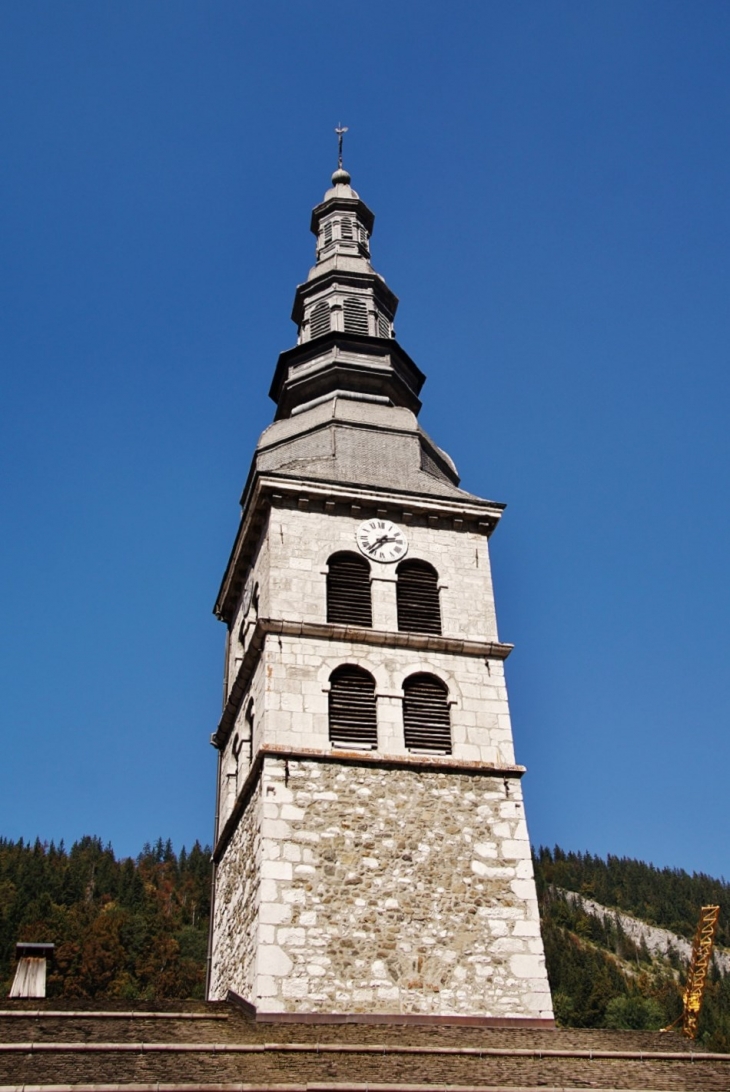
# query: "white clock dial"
{"points": [[381, 540]]}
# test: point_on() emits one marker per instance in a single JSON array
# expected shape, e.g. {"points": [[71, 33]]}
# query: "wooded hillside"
{"points": [[122, 929], [600, 977], [137, 929]]}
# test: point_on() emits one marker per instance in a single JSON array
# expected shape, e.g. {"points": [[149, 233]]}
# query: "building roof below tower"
{"points": [[197, 1046]]}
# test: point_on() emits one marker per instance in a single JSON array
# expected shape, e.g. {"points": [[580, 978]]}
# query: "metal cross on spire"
{"points": [[340, 130]]}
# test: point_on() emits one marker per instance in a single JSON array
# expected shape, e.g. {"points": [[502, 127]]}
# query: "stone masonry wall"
{"points": [[300, 543], [237, 908], [295, 704], [389, 890]]}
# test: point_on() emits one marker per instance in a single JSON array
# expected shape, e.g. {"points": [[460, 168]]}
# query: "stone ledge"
{"points": [[437, 764], [330, 631]]}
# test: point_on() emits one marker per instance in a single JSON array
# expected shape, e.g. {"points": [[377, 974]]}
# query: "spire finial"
{"points": [[340, 130]]}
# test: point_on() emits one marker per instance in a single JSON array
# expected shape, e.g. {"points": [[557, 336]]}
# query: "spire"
{"points": [[341, 177], [344, 313], [340, 130], [360, 302]]}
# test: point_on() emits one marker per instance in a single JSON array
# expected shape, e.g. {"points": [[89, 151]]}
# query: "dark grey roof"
{"points": [[357, 442]]}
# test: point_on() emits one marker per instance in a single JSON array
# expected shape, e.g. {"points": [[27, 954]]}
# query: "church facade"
{"points": [[371, 854]]}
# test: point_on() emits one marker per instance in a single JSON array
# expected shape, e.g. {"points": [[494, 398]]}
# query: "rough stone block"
{"points": [[274, 913], [276, 870], [272, 960]]}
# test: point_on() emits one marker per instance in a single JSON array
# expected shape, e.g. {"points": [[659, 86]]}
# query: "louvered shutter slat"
{"points": [[426, 717], [417, 594], [348, 591], [319, 322], [356, 316], [352, 711]]}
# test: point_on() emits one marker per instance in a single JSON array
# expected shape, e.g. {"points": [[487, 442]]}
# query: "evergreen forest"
{"points": [[137, 930], [123, 929]]}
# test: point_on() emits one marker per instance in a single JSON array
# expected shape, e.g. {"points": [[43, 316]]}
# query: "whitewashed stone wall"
{"points": [[392, 891], [300, 543], [297, 673], [290, 691]]}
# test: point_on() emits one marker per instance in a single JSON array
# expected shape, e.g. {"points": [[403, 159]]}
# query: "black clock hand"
{"points": [[382, 541]]}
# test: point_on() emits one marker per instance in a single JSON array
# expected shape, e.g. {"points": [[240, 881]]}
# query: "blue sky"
{"points": [[550, 183]]}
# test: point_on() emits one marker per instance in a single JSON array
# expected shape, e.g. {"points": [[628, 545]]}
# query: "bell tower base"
{"points": [[380, 887]]}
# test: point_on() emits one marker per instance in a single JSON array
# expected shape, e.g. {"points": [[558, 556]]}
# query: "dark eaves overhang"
{"points": [[357, 343]]}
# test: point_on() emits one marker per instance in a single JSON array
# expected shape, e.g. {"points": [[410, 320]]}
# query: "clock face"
{"points": [[381, 540]]}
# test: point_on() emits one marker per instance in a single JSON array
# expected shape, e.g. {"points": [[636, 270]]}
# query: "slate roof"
{"points": [[198, 1046]]}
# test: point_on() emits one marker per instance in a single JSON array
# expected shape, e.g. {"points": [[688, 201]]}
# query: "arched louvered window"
{"points": [[383, 326], [352, 712], [417, 595], [356, 316], [319, 320], [426, 718], [328, 233], [348, 590], [346, 229]]}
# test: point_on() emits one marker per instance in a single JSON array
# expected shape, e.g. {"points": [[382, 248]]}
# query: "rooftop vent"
{"points": [[30, 974]]}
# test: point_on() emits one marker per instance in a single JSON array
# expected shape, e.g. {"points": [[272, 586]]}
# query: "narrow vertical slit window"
{"points": [[352, 710], [362, 237], [417, 596], [356, 316], [231, 781], [426, 715], [319, 320], [249, 730], [348, 590]]}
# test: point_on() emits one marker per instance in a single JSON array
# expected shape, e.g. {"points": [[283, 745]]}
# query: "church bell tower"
{"points": [[371, 851]]}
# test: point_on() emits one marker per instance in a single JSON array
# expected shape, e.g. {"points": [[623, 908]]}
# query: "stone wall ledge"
{"points": [[374, 760], [330, 631]]}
